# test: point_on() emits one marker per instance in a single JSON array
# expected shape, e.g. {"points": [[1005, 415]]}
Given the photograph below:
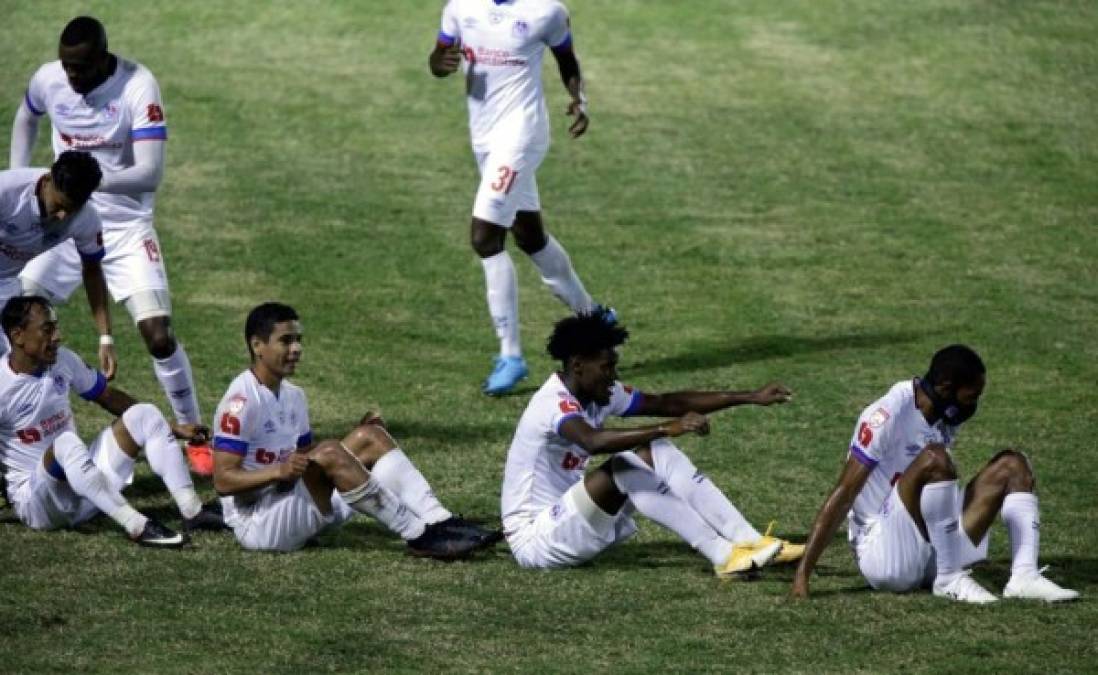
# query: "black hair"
{"points": [[957, 364], [261, 322], [16, 311], [76, 174], [584, 335], [85, 30]]}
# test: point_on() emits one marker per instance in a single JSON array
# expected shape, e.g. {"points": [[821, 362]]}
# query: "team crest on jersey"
{"points": [[520, 28], [269, 427], [110, 111], [495, 17], [59, 384], [236, 404], [62, 110], [878, 418]]}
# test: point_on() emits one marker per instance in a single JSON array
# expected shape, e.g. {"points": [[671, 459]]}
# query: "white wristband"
{"points": [[105, 340]]}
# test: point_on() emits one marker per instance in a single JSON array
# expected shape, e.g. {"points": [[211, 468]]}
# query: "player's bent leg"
{"points": [[501, 287], [552, 261], [572, 531], [143, 427]]}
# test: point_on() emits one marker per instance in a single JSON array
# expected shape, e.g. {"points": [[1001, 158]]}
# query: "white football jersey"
{"points": [[503, 44], [22, 236], [890, 433], [106, 122], [542, 464], [34, 409]]}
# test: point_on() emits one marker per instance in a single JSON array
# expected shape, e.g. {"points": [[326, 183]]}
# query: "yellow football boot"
{"points": [[789, 553], [746, 559]]}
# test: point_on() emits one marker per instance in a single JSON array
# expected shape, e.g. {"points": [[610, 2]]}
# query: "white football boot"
{"points": [[1037, 587], [963, 588]]}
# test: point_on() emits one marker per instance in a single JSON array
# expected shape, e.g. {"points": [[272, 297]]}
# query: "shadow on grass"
{"points": [[449, 432], [701, 356]]}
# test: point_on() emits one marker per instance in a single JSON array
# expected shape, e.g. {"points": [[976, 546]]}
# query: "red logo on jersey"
{"points": [[152, 250], [865, 435], [571, 462], [155, 113], [230, 424], [29, 436], [569, 406]]}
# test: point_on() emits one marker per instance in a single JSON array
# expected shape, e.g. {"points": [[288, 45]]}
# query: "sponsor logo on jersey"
{"points": [[155, 113], [567, 406], [110, 111], [878, 418]]}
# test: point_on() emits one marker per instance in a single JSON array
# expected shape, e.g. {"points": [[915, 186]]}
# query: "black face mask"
{"points": [[947, 408]]}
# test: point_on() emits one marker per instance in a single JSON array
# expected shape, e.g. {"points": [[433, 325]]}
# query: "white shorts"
{"points": [[507, 184], [561, 536], [133, 263], [893, 555], [45, 503], [284, 521]]}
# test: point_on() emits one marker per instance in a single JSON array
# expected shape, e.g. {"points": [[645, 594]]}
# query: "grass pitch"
{"points": [[818, 192]]}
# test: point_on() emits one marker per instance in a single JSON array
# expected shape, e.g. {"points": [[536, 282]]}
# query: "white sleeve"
{"points": [[623, 400], [558, 32], [450, 32], [873, 435], [143, 176], [566, 407], [24, 131], [233, 422], [86, 381], [88, 235]]}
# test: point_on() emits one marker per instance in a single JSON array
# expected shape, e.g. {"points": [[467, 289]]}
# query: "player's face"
{"points": [[56, 205], [40, 338], [85, 66], [970, 394], [595, 376], [281, 352]]}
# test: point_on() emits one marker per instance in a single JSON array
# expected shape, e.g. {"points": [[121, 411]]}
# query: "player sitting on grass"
{"points": [[555, 516], [910, 523], [280, 487], [53, 479]]}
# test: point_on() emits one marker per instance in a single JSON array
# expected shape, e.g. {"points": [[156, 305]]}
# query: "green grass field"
{"points": [[819, 192]]}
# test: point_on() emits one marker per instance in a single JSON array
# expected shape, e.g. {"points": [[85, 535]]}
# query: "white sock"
{"points": [[502, 284], [695, 488], [558, 274], [150, 430], [654, 498], [395, 472], [86, 480], [1023, 522], [938, 504], [175, 378], [374, 500]]}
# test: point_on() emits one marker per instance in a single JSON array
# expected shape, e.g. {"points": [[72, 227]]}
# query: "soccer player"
{"points": [[555, 516], [53, 479], [280, 487], [910, 523], [502, 43], [111, 107], [41, 208]]}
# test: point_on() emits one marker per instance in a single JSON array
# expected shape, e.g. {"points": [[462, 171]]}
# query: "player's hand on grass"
{"points": [[108, 362], [294, 466], [578, 109], [197, 433], [775, 392]]}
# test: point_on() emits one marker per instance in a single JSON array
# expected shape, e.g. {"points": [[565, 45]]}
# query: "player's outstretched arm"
{"points": [[603, 441], [445, 59], [115, 401], [230, 476], [24, 131], [570, 75], [95, 286], [834, 509], [678, 403]]}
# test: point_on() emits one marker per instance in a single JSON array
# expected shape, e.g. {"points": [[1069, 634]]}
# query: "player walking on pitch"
{"points": [[111, 107], [910, 523], [53, 479], [280, 487], [502, 42], [41, 208], [555, 516]]}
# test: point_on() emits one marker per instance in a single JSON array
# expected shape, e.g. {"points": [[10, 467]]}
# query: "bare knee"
{"points": [[368, 442], [645, 453], [330, 456], [935, 463], [158, 336], [529, 232], [1013, 469]]}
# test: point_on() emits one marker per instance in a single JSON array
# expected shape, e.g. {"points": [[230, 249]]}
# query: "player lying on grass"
{"points": [[43, 208], [54, 480], [910, 523], [555, 516], [280, 487]]}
